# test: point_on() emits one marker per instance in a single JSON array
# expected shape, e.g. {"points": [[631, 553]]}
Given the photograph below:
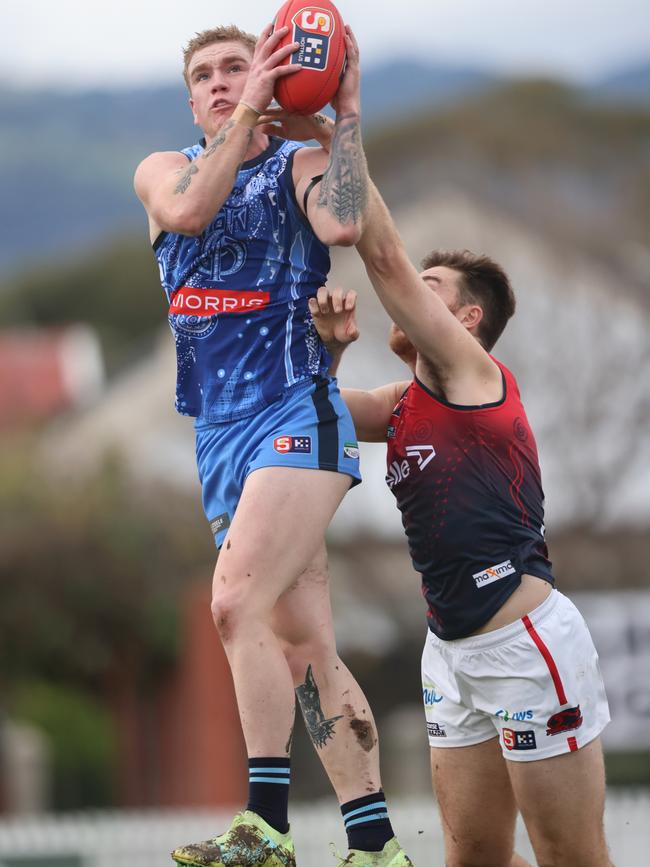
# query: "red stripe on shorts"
{"points": [[573, 744], [548, 659]]}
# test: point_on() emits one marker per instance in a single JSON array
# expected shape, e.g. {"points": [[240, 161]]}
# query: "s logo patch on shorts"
{"points": [[514, 740], [292, 445]]}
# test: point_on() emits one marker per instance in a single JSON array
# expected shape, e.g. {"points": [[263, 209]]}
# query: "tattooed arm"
{"points": [[181, 196], [185, 197], [338, 205]]}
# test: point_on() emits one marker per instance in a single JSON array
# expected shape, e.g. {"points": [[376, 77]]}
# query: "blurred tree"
{"points": [[90, 574], [80, 738], [115, 289]]}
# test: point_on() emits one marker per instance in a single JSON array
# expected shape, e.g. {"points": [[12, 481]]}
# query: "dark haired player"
{"points": [[509, 669]]}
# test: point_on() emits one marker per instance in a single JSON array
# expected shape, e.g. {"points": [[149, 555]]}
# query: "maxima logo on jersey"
{"points": [[195, 301], [494, 573]]}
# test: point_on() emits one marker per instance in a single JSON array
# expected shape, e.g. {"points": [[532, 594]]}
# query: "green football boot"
{"points": [[249, 842], [392, 855]]}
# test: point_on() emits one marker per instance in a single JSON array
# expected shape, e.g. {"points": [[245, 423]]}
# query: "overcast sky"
{"points": [[121, 42]]}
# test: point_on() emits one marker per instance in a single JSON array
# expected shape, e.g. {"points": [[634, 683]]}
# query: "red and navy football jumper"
{"points": [[468, 485]]}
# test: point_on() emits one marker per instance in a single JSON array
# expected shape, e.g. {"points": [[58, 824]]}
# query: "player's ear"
{"points": [[196, 120], [472, 316]]}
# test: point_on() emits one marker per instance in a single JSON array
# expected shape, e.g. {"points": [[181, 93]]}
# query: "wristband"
{"points": [[246, 115]]}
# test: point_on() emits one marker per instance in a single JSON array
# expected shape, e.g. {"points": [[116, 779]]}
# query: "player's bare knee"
{"points": [[228, 610], [572, 848]]}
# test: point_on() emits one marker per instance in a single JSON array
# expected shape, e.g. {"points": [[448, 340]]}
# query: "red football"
{"points": [[321, 34]]}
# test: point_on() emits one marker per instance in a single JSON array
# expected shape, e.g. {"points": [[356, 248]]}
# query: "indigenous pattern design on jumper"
{"points": [[468, 485], [238, 294]]}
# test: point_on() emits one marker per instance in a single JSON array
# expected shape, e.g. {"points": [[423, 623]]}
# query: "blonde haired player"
{"points": [[240, 225]]}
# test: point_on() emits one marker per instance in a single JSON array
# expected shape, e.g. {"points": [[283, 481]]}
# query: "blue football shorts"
{"points": [[309, 427]]}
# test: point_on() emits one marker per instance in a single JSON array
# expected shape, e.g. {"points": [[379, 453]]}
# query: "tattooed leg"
{"points": [[336, 713], [289, 743], [320, 730]]}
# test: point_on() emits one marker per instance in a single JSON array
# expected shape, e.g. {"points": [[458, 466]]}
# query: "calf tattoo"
{"points": [[320, 729], [287, 748], [344, 188]]}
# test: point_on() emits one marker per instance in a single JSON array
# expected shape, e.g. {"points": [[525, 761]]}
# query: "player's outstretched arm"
{"points": [[184, 197], [416, 308], [334, 314], [337, 207]]}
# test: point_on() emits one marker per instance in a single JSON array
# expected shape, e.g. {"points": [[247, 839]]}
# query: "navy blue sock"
{"points": [[268, 791], [366, 822]]}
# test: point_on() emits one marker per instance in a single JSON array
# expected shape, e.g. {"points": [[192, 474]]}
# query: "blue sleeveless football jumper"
{"points": [[238, 294]]}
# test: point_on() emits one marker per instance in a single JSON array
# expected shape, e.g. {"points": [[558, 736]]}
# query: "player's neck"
{"points": [[259, 143]]}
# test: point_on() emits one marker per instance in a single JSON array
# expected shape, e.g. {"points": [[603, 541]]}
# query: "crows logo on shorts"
{"points": [[564, 721]]}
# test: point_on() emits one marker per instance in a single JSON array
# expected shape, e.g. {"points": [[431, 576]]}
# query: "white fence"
{"points": [[144, 839]]}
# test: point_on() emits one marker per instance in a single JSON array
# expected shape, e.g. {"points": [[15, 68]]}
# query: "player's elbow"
{"points": [[341, 235], [184, 221]]}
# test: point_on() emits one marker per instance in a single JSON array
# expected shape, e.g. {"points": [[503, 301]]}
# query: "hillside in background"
{"points": [[67, 159], [538, 151], [544, 154], [631, 85]]}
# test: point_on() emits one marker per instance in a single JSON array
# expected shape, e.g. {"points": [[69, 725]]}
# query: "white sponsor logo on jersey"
{"points": [[494, 573], [424, 454], [397, 472]]}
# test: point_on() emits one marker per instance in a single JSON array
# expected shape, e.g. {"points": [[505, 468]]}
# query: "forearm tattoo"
{"points": [[344, 188], [217, 141], [320, 729], [186, 178]]}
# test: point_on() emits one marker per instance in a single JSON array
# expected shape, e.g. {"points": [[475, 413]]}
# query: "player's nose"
{"points": [[219, 83]]}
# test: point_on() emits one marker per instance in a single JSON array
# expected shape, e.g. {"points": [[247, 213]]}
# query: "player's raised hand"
{"points": [[348, 96], [334, 314], [267, 67]]}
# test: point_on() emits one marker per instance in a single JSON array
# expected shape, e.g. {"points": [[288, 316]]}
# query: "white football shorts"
{"points": [[535, 683]]}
